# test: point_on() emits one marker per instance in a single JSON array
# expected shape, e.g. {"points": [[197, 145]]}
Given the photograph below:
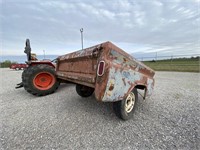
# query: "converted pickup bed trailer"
{"points": [[111, 73]]}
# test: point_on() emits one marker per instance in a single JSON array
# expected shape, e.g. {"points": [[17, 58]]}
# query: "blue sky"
{"points": [[167, 27]]}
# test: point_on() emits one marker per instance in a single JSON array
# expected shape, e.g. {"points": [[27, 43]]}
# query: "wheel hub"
{"points": [[44, 80], [129, 102]]}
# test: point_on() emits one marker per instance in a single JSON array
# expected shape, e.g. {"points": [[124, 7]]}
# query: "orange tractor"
{"points": [[39, 77]]}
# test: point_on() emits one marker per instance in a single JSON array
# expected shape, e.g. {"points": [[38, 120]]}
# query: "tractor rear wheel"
{"points": [[23, 74], [40, 80]]}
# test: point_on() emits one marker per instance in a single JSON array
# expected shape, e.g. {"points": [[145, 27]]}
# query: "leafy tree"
{"points": [[6, 63]]}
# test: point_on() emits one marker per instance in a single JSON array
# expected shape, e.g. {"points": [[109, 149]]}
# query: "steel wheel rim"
{"points": [[44, 80], [130, 102]]}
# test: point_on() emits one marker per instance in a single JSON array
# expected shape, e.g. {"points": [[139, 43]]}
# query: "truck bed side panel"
{"points": [[79, 67], [122, 74]]}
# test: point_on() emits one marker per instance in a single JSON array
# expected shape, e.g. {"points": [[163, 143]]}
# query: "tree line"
{"points": [[7, 63]]}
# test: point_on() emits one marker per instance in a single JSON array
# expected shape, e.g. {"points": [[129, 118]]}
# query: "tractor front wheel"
{"points": [[40, 80]]}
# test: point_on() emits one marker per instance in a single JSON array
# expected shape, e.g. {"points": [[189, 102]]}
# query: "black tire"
{"points": [[23, 74], [119, 107], [84, 91], [34, 73]]}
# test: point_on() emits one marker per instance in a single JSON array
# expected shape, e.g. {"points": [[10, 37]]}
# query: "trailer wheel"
{"points": [[84, 91], [40, 80], [16, 68], [125, 108]]}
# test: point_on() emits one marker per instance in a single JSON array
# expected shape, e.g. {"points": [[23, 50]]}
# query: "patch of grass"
{"points": [[178, 64]]}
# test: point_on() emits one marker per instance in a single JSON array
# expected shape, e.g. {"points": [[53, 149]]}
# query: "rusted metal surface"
{"points": [[122, 73], [90, 52], [79, 67]]}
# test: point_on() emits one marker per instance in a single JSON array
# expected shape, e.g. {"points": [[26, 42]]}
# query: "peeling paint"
{"points": [[128, 79], [124, 75]]}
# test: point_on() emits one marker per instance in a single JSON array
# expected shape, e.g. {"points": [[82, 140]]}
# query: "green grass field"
{"points": [[178, 64]]}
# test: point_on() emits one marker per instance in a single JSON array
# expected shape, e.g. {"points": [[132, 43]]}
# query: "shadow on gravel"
{"points": [[93, 108], [63, 86]]}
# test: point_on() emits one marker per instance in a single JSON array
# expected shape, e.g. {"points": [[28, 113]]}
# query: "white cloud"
{"points": [[156, 25]]}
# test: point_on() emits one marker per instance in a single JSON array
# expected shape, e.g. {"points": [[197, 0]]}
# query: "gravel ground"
{"points": [[169, 119]]}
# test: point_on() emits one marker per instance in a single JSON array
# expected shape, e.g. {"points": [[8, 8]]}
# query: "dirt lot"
{"points": [[170, 119]]}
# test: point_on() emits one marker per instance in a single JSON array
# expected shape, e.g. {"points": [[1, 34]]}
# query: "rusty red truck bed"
{"points": [[110, 71]]}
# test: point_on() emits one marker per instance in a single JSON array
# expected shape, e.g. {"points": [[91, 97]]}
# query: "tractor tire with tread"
{"points": [[36, 84], [23, 74]]}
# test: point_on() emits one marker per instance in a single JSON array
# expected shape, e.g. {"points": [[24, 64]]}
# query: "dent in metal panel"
{"points": [[119, 83]]}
